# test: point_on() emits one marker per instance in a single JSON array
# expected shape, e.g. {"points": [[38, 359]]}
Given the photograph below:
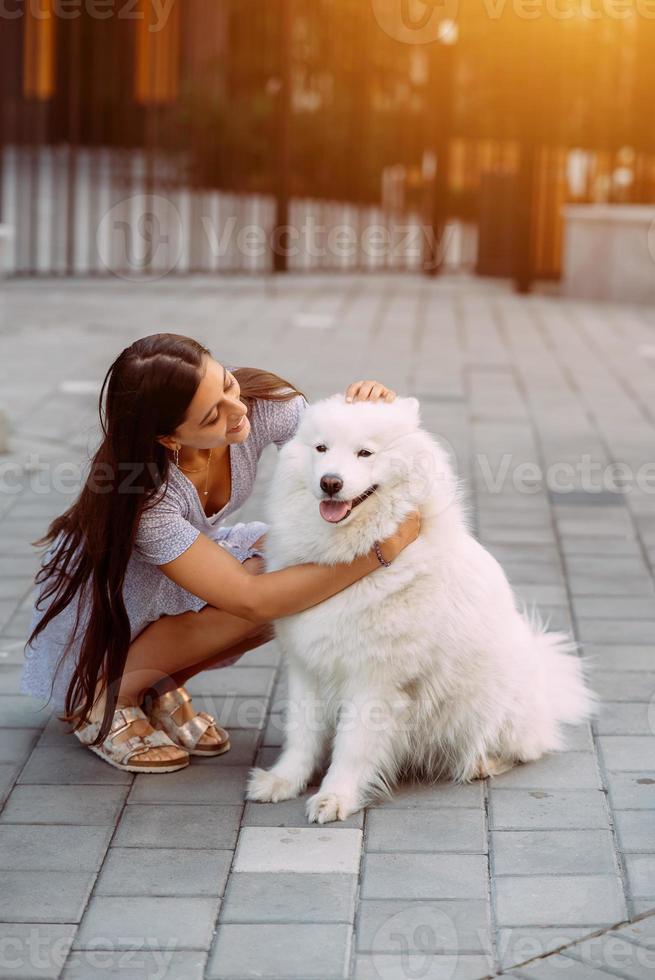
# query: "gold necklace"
{"points": [[205, 491]]}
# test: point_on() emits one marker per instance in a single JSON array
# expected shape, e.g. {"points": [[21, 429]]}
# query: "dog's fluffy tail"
{"points": [[564, 673]]}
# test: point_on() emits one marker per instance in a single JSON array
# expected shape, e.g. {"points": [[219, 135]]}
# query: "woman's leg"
{"points": [[184, 645], [173, 648]]}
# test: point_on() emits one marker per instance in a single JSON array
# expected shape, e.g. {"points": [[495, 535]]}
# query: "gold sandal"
{"points": [[189, 733], [120, 753]]}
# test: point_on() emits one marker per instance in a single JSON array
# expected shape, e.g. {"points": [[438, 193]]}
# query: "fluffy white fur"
{"points": [[426, 668]]}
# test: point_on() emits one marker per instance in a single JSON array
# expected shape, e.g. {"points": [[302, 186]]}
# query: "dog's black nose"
{"points": [[331, 484]]}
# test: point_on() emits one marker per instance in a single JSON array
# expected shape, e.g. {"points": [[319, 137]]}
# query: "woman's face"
{"points": [[214, 411]]}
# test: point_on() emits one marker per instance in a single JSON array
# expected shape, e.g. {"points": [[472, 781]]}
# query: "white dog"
{"points": [[425, 668]]}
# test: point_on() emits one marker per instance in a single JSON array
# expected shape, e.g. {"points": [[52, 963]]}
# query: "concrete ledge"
{"points": [[609, 252], [6, 239], [4, 432]]}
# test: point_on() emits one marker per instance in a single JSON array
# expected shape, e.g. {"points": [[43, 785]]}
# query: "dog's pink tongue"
{"points": [[333, 510]]}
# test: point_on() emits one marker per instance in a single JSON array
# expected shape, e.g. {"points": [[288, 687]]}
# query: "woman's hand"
{"points": [[371, 391], [404, 534]]}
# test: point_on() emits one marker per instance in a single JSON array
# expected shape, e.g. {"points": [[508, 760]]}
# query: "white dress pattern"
{"points": [[164, 533]]}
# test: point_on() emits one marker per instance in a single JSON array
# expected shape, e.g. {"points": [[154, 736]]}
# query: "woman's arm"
{"points": [[208, 571]]}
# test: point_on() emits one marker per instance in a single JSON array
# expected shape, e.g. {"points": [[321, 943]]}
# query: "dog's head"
{"points": [[362, 462]]}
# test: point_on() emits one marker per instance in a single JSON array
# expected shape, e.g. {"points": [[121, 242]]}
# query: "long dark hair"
{"points": [[148, 390]]}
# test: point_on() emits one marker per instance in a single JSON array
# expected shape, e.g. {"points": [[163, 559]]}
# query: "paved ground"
{"points": [[535, 875]]}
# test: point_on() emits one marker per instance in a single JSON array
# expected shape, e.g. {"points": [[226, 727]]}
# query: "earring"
{"points": [[177, 456]]}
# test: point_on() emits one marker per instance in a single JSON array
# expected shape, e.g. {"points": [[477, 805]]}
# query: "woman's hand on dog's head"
{"points": [[369, 391]]}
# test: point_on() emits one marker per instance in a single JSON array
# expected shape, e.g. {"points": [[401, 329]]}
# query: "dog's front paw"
{"points": [[325, 807], [264, 786]]}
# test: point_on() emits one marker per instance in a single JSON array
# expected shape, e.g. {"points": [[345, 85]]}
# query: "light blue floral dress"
{"points": [[164, 533]]}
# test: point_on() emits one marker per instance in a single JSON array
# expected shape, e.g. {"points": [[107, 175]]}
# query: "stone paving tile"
{"points": [[642, 906], [520, 944], [629, 632], [542, 852], [150, 923], [499, 390], [288, 813], [627, 753], [17, 711], [25, 847], [614, 954], [635, 687], [267, 655], [641, 875], [69, 762], [274, 731], [636, 830], [290, 897], [543, 900], [8, 775], [558, 966], [437, 795], [547, 597], [243, 742], [162, 964], [641, 932], [267, 756], [571, 770], [375, 966], [420, 875], [211, 782], [172, 825], [583, 545], [300, 850], [161, 871], [447, 927], [9, 677], [528, 572], [622, 658], [269, 950], [632, 790], [16, 744], [79, 805], [426, 830], [578, 738], [625, 718], [34, 950], [239, 681], [232, 711], [547, 810], [613, 607], [44, 896]]}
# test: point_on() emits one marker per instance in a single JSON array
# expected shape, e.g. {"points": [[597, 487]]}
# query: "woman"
{"points": [[141, 595]]}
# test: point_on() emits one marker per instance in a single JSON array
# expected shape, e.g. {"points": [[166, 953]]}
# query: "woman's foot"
{"points": [[197, 731], [132, 744], [166, 753]]}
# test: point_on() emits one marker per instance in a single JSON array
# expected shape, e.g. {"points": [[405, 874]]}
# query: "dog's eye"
{"points": [[321, 448], [364, 452]]}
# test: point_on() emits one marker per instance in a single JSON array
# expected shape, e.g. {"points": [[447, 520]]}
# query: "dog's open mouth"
{"points": [[335, 511]]}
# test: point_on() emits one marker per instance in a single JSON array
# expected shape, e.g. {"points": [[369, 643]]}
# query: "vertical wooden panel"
{"points": [[157, 68], [39, 51]]}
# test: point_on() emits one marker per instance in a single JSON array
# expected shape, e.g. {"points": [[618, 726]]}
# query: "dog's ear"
{"points": [[413, 408]]}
